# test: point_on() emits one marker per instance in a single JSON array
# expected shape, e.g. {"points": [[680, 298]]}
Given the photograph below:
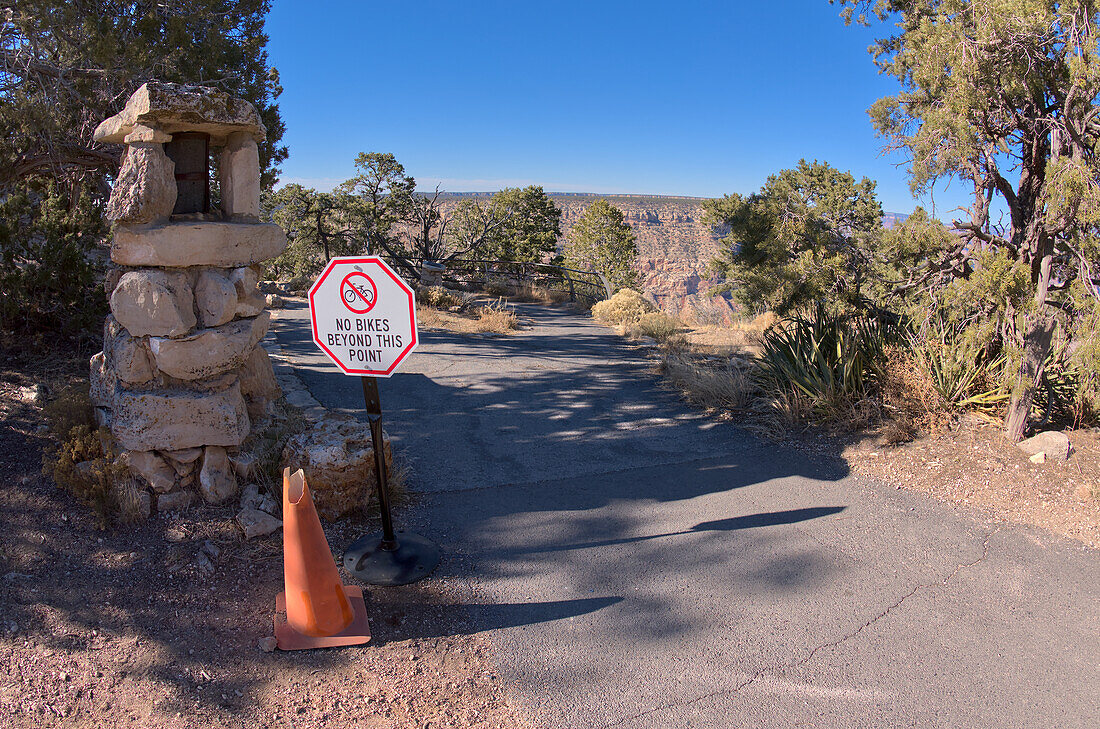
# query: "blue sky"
{"points": [[684, 98]]}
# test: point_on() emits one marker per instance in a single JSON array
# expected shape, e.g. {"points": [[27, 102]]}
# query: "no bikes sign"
{"points": [[363, 316]]}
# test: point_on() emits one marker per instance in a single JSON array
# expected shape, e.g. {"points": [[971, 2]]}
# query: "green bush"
{"points": [[50, 270], [627, 306]]}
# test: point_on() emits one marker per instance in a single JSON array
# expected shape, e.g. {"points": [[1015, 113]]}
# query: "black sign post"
{"points": [[389, 558]]}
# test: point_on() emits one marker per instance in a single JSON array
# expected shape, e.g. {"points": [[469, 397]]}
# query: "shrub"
{"points": [[830, 359], [438, 297], [626, 307], [84, 464], [50, 264], [959, 366], [496, 318], [655, 324], [909, 396], [497, 287], [71, 408], [529, 291]]}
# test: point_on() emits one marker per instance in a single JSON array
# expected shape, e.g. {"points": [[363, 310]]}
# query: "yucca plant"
{"points": [[826, 357], [964, 378]]}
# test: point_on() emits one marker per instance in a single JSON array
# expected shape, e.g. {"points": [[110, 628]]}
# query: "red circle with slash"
{"points": [[358, 292]]}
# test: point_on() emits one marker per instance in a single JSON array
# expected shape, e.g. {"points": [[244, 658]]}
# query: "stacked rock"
{"points": [[181, 375]]}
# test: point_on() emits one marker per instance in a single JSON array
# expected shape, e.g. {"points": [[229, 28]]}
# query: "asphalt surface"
{"points": [[638, 564]]}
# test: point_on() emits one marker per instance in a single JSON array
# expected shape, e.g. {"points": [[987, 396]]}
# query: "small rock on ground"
{"points": [[1056, 445], [256, 523]]}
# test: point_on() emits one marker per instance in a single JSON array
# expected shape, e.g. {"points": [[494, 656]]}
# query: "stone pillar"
{"points": [[182, 377]]}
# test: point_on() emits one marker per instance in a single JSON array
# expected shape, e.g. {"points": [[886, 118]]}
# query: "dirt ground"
{"points": [[159, 625], [974, 465]]}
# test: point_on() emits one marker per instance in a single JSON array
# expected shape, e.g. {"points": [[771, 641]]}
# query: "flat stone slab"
{"points": [[197, 244], [172, 108], [146, 420], [209, 352]]}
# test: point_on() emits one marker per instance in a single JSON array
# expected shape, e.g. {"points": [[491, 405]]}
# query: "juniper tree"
{"points": [[809, 235], [66, 65], [532, 228], [1003, 96], [602, 241]]}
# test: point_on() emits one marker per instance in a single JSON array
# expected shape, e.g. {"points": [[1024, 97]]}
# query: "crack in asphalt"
{"points": [[813, 652]]}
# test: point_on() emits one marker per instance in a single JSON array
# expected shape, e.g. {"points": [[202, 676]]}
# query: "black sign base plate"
{"points": [[414, 559]]}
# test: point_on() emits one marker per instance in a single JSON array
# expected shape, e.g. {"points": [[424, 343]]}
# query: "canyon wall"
{"points": [[674, 248]]}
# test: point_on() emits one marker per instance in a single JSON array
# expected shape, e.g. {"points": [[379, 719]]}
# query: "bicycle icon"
{"points": [[358, 292]]}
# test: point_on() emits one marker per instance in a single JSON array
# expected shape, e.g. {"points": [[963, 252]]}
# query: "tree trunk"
{"points": [[1040, 330]]}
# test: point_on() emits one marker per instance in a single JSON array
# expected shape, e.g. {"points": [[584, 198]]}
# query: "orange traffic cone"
{"points": [[316, 610]]}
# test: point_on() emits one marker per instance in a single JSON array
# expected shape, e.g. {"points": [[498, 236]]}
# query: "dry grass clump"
{"points": [[84, 463], [528, 291], [267, 444], [723, 385], [655, 325], [439, 297], [83, 459], [761, 323], [429, 318], [72, 407], [909, 397], [625, 307], [707, 313], [495, 318]]}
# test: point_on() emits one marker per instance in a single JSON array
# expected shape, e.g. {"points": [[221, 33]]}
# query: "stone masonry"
{"points": [[181, 377]]}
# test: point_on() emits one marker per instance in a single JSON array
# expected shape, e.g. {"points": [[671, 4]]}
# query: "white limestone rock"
{"points": [[338, 455], [274, 301], [142, 133], [250, 302], [151, 302], [256, 523], [1053, 443], [217, 481], [244, 463], [240, 177], [127, 357], [250, 495], [215, 298], [183, 460], [209, 352], [258, 383], [102, 381], [173, 419], [245, 280], [175, 501], [153, 469], [146, 186], [220, 244]]}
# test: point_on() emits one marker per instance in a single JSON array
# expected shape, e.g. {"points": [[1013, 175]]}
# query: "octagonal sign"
{"points": [[363, 316]]}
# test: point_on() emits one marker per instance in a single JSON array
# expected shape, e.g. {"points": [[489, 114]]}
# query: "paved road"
{"points": [[637, 564]]}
